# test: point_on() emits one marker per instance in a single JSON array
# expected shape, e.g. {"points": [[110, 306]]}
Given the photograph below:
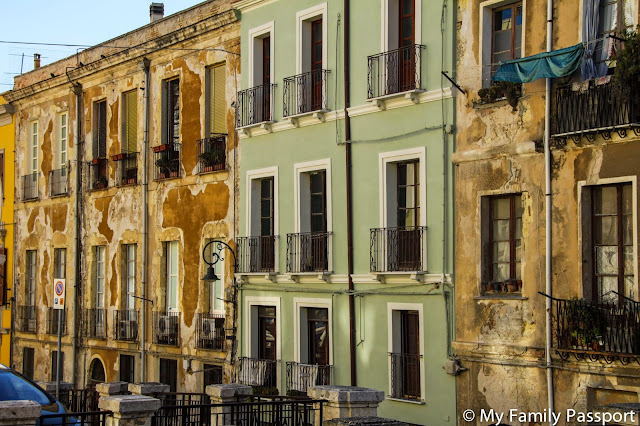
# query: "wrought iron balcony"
{"points": [[405, 376], [95, 323], [99, 174], [52, 320], [302, 376], [125, 324], [395, 71], [591, 108], [257, 254], [30, 187], [309, 252], [398, 249], [212, 153], [210, 333], [167, 160], [126, 168], [255, 105], [306, 92], [166, 328], [59, 182], [262, 374], [27, 319]]}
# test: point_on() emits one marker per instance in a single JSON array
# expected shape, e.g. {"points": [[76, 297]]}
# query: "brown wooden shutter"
{"points": [[219, 101], [3, 281], [131, 121]]}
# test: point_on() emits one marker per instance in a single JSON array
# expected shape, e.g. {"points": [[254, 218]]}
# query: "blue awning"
{"points": [[558, 63]]}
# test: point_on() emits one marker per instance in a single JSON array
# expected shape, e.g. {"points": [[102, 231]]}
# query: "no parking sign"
{"points": [[59, 285]]}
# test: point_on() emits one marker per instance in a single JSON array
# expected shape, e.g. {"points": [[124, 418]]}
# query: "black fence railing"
{"points": [[395, 71], [262, 374], [210, 333], [126, 168], [166, 328], [594, 109], [172, 399], [94, 418], [99, 174], [59, 182], [79, 400], [95, 323], [30, 187], [309, 252], [255, 105], [305, 93], [398, 249], [125, 325], [167, 161], [302, 376], [405, 376], [212, 153], [257, 254], [52, 320], [27, 319]]}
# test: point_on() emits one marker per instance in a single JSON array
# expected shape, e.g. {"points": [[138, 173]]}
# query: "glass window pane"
{"points": [[605, 230], [606, 200], [501, 208], [627, 199], [500, 271], [501, 230], [501, 252], [605, 287], [502, 41], [607, 260], [502, 20]]}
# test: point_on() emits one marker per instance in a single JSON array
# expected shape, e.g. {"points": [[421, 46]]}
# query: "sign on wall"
{"points": [[59, 285]]}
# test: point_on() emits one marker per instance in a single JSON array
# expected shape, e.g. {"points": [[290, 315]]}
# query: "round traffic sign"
{"points": [[59, 288]]}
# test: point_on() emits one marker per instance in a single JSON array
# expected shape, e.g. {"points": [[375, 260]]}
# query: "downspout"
{"points": [[548, 200], [145, 223], [77, 90], [347, 124]]}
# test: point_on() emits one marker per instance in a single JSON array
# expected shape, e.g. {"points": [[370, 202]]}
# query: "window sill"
{"points": [[4, 330], [265, 125], [317, 114], [413, 95], [321, 276], [418, 276], [409, 401], [66, 194], [501, 296]]}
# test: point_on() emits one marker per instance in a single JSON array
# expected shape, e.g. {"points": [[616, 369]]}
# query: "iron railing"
{"points": [[405, 376], [594, 109], [309, 252], [52, 320], [166, 328], [395, 71], [172, 399], [255, 105], [257, 254], [212, 153], [59, 182], [305, 93], [210, 333], [167, 161], [27, 319], [79, 400], [125, 324], [398, 249], [95, 323], [302, 376], [126, 168], [262, 374], [30, 187], [93, 418], [99, 174]]}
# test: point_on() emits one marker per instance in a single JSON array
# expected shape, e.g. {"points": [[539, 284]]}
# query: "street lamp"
{"points": [[217, 257]]}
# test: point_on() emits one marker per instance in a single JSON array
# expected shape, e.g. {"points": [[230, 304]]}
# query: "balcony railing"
{"points": [[309, 252], [52, 320], [405, 376], [302, 376], [166, 328], [305, 93], [212, 153], [59, 182], [30, 187], [99, 176], [398, 249], [95, 323], [255, 105], [167, 161], [126, 168], [125, 324], [395, 71], [257, 254], [594, 109], [210, 333], [259, 373], [27, 319]]}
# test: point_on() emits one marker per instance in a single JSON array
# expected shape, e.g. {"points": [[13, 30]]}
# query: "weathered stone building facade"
{"points": [[126, 168], [500, 216]]}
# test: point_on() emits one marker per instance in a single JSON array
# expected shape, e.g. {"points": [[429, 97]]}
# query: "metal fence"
{"points": [[167, 160], [210, 333], [305, 93], [27, 319], [79, 400], [405, 376], [166, 328], [395, 71], [52, 320], [255, 105], [259, 373], [171, 399], [93, 418], [257, 254], [398, 249], [59, 182], [125, 324], [30, 187], [98, 174], [309, 252], [95, 323], [212, 153], [126, 168], [302, 376]]}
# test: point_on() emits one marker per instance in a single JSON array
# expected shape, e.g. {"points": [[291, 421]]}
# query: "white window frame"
{"points": [[63, 139], [33, 146], [308, 167], [393, 330], [303, 34], [300, 303], [130, 263], [100, 276], [31, 276], [253, 199], [172, 276], [255, 55], [385, 14], [251, 304]]}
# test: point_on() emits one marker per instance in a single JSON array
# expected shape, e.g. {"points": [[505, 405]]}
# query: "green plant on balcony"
{"points": [[627, 72], [584, 325], [167, 165], [212, 158], [501, 90]]}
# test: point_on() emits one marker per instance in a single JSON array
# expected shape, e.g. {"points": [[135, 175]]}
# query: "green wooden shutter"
{"points": [[131, 121], [218, 100]]}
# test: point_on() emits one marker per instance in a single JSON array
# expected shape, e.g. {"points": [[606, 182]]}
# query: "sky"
{"points": [[87, 22]]}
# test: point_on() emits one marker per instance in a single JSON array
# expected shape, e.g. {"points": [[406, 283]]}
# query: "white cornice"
{"points": [[6, 114], [249, 5]]}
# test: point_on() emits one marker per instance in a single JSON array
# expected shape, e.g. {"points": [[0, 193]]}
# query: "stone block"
{"points": [[346, 401], [19, 412], [51, 386], [129, 405], [112, 388], [365, 421], [148, 388], [228, 391]]}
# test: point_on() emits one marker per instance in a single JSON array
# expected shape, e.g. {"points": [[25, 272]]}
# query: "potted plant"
{"points": [[100, 182], [213, 159], [118, 157], [584, 325], [501, 90], [168, 167], [160, 148], [512, 286]]}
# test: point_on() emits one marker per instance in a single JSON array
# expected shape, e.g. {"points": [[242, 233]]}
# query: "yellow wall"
{"points": [[7, 145]]}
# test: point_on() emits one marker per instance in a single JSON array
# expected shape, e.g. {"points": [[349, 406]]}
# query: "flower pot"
{"points": [[519, 285], [497, 286], [512, 286], [119, 157], [95, 161], [160, 148]]}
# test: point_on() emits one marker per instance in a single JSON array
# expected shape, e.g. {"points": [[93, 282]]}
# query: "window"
{"points": [[27, 362], [99, 287], [212, 375], [62, 140], [261, 51], [54, 366], [216, 100], [315, 329], [130, 125], [259, 248], [127, 368], [501, 35], [100, 130], [33, 148], [129, 276], [405, 349], [171, 277], [60, 263], [215, 290], [169, 373], [31, 277], [172, 112], [615, 17], [401, 23], [267, 332]]}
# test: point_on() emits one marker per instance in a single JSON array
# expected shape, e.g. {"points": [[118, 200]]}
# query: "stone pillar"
{"points": [[152, 389], [129, 410], [19, 413], [346, 401], [112, 388], [221, 394]]}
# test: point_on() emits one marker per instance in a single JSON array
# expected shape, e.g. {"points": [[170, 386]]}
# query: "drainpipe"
{"points": [[548, 200], [145, 212], [77, 90]]}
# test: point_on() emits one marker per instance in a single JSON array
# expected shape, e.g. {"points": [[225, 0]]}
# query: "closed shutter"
{"points": [[3, 281], [100, 138], [218, 100], [131, 121]]}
